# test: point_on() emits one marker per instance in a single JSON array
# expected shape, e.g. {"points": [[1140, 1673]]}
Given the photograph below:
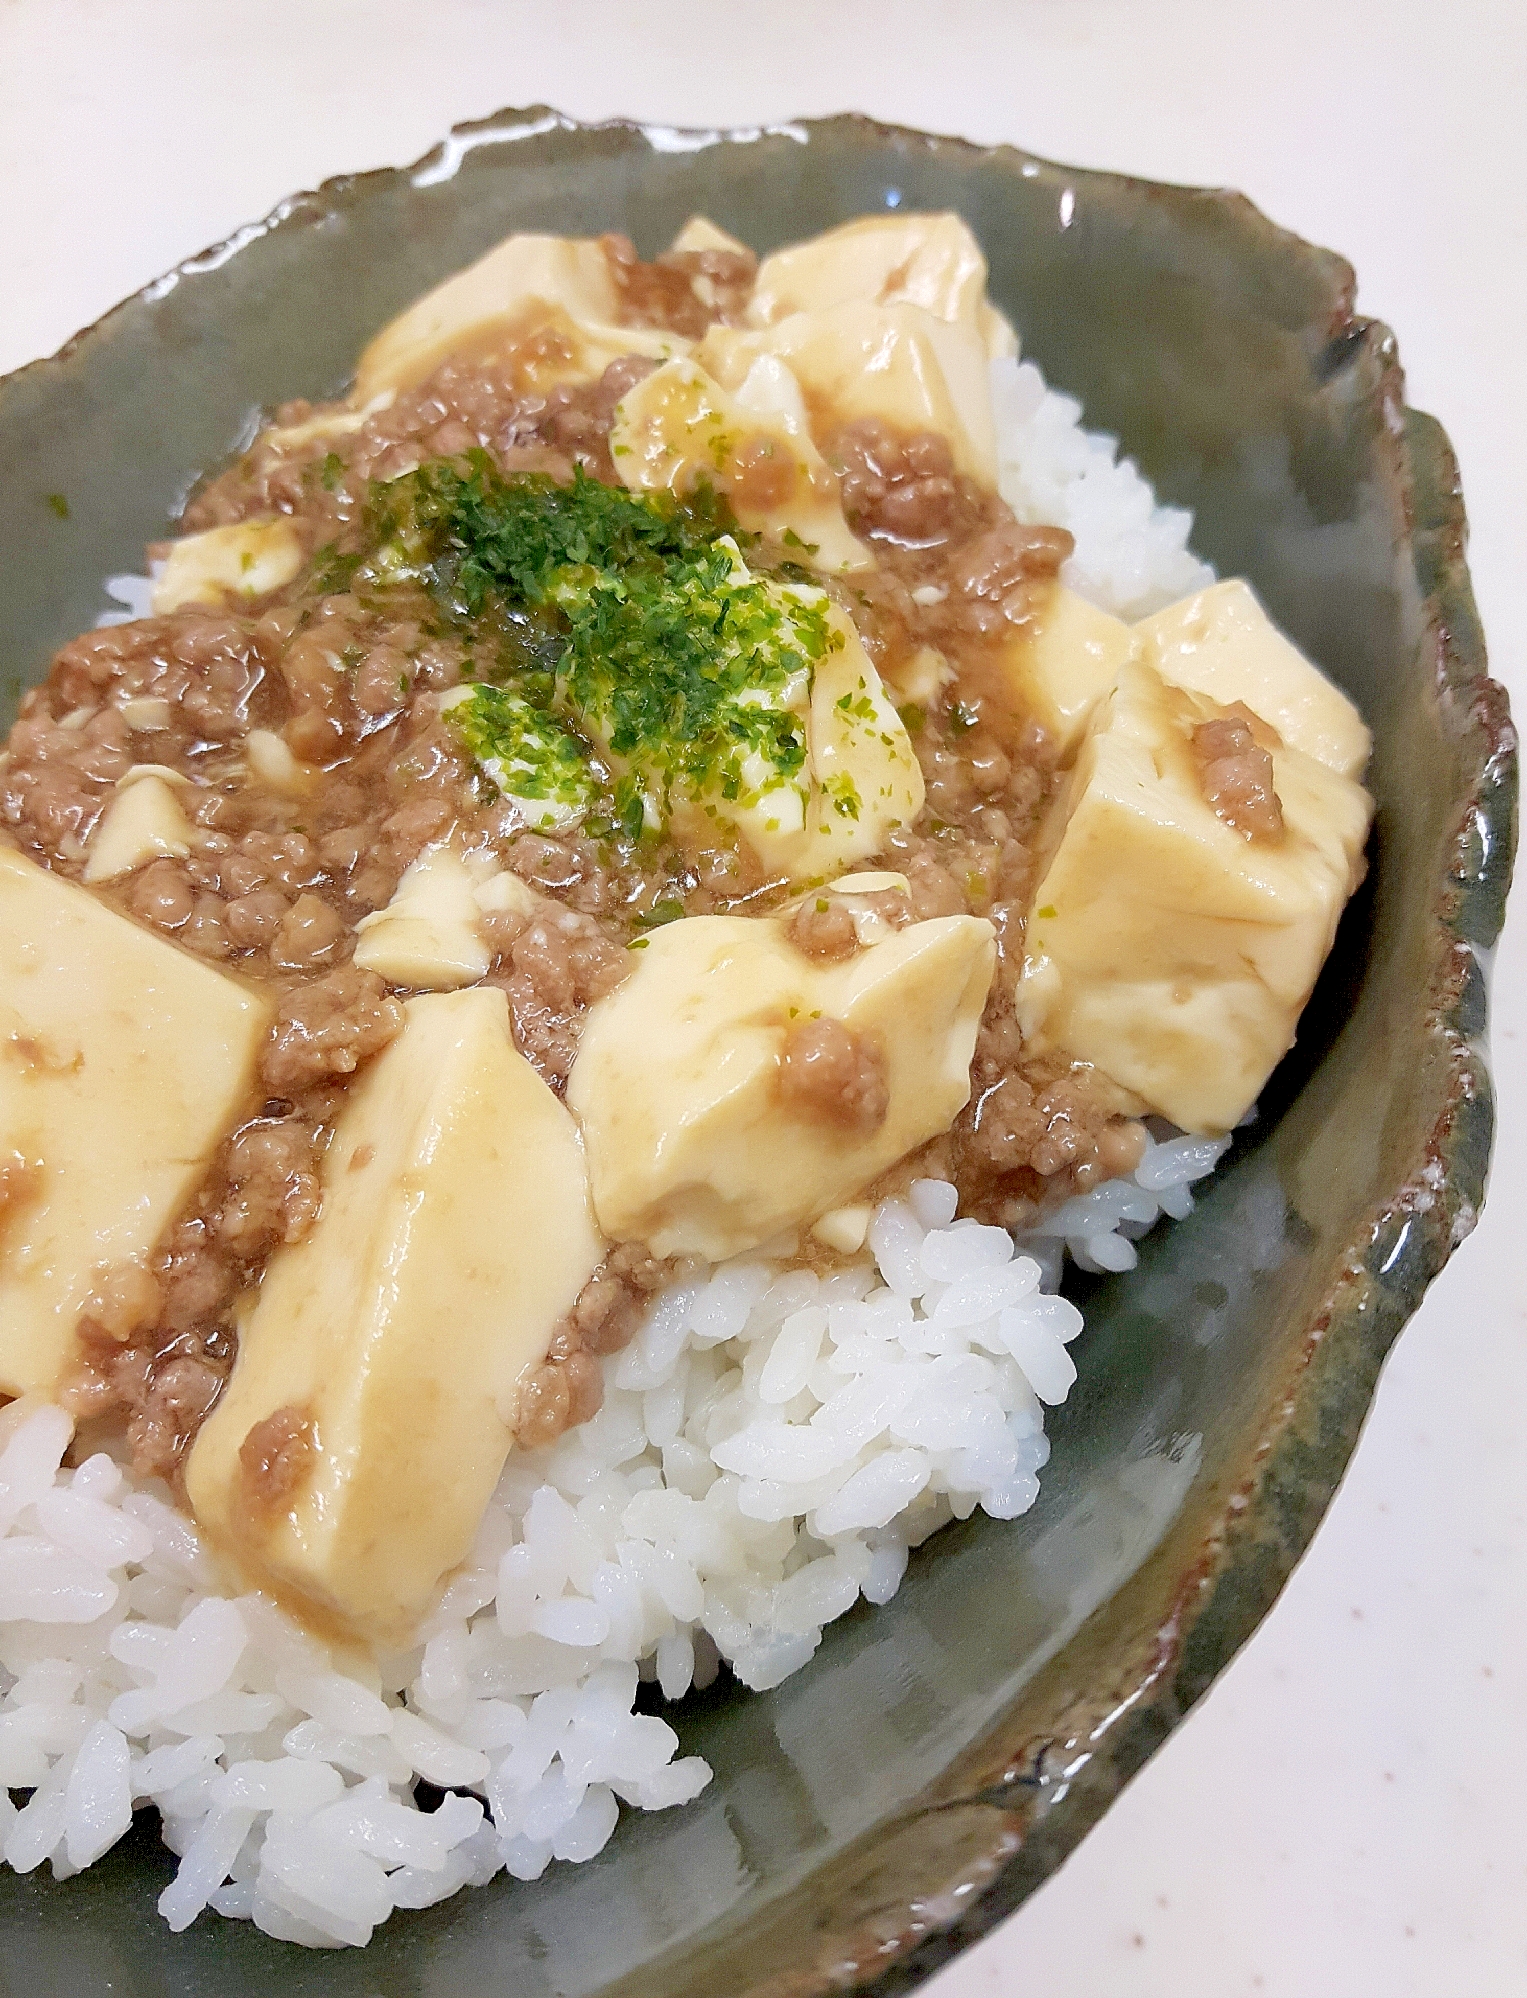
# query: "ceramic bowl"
{"points": [[940, 1756]]}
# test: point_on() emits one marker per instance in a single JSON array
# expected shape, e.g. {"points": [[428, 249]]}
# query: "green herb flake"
{"points": [[624, 618], [524, 752], [1047, 912], [59, 505], [842, 794], [331, 471], [334, 569]]}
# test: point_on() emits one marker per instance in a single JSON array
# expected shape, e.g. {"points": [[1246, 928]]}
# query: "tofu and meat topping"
{"points": [[620, 789]]}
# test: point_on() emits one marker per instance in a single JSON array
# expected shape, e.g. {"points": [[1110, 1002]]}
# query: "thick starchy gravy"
{"points": [[307, 739]]}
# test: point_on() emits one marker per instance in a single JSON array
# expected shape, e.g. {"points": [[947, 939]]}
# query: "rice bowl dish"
{"points": [[783, 1419]]}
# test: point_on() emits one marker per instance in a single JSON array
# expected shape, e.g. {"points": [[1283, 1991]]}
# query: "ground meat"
{"points": [[273, 1191], [823, 928], [325, 1030], [556, 967], [489, 404], [686, 291], [992, 575], [160, 1340], [276, 1456], [1033, 1124], [834, 1074], [1236, 772], [164, 1392], [904, 489], [568, 1387]]}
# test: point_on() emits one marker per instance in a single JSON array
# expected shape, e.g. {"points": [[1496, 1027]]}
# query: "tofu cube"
{"points": [[123, 1061], [932, 261], [1163, 945], [1061, 663], [143, 822], [427, 936], [858, 359], [1221, 642], [389, 1346], [249, 559], [692, 1147], [526, 283]]}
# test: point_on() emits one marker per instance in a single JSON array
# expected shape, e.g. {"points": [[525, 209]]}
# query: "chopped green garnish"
{"points": [[59, 504], [331, 471], [1047, 910], [334, 569], [625, 617], [842, 794], [527, 754]]}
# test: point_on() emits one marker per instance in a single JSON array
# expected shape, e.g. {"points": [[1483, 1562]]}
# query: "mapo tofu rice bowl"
{"points": [[580, 950]]}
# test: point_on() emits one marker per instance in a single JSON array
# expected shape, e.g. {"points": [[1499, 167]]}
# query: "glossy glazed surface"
{"points": [[1247, 391]]}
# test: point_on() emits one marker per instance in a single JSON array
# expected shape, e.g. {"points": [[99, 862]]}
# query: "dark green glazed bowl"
{"points": [[940, 1756]]}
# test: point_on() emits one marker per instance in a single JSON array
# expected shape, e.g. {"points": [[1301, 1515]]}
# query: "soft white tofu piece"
{"points": [[932, 261], [1162, 944], [861, 779], [427, 936], [1221, 642], [866, 779], [691, 1147], [1061, 663], [497, 892], [394, 1339], [844, 1228], [527, 284], [922, 678], [143, 822], [700, 233], [249, 559], [270, 759], [896, 362], [123, 1061], [679, 427]]}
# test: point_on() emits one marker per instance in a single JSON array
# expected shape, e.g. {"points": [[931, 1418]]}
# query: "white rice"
{"points": [[770, 1447], [1131, 556]]}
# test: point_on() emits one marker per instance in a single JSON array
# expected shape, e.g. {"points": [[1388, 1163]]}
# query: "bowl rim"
{"points": [[1035, 1804]]}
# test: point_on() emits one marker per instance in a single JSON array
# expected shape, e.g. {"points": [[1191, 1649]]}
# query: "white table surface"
{"points": [[1345, 1812]]}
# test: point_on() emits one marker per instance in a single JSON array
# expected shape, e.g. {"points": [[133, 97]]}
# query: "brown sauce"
{"points": [[279, 880]]}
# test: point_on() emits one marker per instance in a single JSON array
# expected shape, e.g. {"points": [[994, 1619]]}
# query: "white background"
{"points": [[1347, 1810]]}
